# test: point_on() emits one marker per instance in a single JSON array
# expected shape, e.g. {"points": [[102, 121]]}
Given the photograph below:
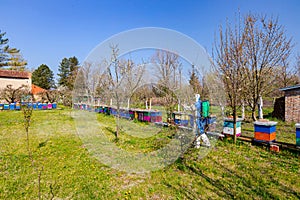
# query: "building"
{"points": [[292, 103], [37, 92], [18, 79], [14, 78]]}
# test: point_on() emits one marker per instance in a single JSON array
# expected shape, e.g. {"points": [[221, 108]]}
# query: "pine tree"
{"points": [[67, 72], [64, 72], [43, 77], [7, 53]]}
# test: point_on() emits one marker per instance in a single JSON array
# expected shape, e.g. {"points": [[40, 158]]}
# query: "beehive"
{"points": [[49, 106], [18, 106], [12, 106], [156, 116], [147, 116], [228, 126], [298, 134], [6, 106], [44, 106], [265, 131]]}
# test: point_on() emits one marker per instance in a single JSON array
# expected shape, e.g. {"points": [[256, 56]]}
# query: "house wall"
{"points": [[292, 105], [15, 82]]}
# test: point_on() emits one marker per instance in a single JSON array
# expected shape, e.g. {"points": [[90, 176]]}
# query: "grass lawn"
{"points": [[68, 170], [285, 131]]}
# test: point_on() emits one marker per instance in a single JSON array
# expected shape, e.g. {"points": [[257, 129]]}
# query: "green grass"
{"points": [[69, 171], [285, 131]]}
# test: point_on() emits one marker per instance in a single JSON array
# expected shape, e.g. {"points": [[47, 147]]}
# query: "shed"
{"points": [[292, 103]]}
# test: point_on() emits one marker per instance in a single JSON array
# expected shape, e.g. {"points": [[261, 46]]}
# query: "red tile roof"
{"points": [[36, 89], [14, 74]]}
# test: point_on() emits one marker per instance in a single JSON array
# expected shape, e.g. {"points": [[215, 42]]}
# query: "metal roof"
{"points": [[290, 88]]}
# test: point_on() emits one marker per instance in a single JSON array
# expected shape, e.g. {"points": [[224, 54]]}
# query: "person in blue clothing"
{"points": [[200, 124]]}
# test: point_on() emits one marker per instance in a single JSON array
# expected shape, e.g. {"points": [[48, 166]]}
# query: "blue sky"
{"points": [[47, 31]]}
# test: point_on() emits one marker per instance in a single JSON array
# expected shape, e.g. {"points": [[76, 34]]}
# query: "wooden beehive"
{"points": [[228, 126], [298, 134], [265, 131]]}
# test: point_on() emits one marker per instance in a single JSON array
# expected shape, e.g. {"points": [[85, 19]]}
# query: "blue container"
{"points": [[6, 106], [184, 122], [264, 129], [297, 132], [40, 106], [34, 106], [1, 106], [18, 106], [29, 105], [177, 121], [54, 105], [153, 114], [12, 106]]}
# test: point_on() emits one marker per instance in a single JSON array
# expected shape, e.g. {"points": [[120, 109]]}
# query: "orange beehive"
{"points": [[265, 136], [265, 131]]}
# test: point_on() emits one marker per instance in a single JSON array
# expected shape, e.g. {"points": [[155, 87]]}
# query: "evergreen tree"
{"points": [[64, 72], [43, 77], [67, 72], [7, 54]]}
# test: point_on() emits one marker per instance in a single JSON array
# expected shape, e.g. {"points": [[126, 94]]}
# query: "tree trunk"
{"points": [[243, 111], [253, 114]]}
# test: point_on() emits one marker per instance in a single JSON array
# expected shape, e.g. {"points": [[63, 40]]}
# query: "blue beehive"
{"points": [[34, 106], [40, 106], [298, 134], [6, 106], [18, 106], [54, 105], [12, 106], [265, 131], [1, 106]]}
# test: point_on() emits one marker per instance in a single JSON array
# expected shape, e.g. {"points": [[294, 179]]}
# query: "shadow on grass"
{"points": [[225, 188], [221, 189]]}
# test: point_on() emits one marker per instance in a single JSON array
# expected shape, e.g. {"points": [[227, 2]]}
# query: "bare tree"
{"points": [[123, 77], [51, 96], [229, 57], [284, 77], [133, 78], [297, 67], [265, 45], [11, 94], [169, 69]]}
